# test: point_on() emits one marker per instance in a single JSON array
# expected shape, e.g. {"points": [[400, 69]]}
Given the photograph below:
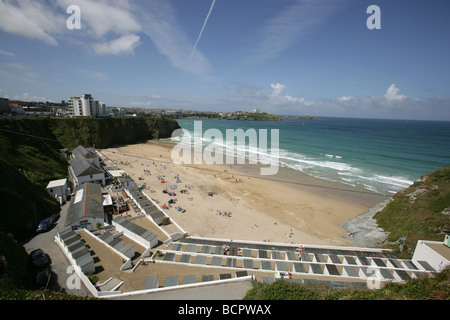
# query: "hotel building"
{"points": [[86, 106]]}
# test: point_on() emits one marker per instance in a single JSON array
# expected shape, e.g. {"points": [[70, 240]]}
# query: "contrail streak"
{"points": [[203, 28]]}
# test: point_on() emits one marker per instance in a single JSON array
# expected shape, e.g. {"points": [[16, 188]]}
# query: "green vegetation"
{"points": [[93, 278], [435, 287], [38, 159], [33, 144], [13, 264], [24, 203], [105, 133], [420, 212], [252, 116], [302, 117], [238, 115], [282, 290], [22, 294], [192, 115]]}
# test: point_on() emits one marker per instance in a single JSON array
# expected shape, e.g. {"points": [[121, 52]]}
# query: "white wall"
{"points": [[59, 191], [94, 178], [425, 253]]}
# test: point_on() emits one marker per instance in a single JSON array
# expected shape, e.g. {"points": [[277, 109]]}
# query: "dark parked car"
{"points": [[39, 259], [43, 277], [54, 217], [45, 224]]}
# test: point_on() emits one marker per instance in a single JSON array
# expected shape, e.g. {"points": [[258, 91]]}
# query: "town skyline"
{"points": [[290, 57]]}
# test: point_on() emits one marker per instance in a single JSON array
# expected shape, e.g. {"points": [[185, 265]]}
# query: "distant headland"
{"points": [[301, 117]]}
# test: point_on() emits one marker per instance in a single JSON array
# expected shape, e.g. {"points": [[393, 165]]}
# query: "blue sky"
{"points": [[291, 57]]}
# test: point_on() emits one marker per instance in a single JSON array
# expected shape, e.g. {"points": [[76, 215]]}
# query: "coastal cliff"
{"points": [[30, 157], [108, 132], [33, 144], [419, 212]]}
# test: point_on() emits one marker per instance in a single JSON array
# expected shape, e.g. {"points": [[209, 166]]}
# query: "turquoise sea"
{"points": [[383, 156]]}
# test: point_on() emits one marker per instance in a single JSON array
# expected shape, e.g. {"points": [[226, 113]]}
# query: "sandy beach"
{"points": [[234, 202]]}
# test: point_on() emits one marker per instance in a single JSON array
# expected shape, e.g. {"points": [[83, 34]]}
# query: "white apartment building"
{"points": [[86, 106]]}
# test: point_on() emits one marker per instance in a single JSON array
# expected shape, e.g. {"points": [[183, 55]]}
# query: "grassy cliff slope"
{"points": [[33, 144], [420, 212]]}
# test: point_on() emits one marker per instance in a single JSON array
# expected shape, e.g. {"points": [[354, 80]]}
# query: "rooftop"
{"points": [[87, 202], [82, 167], [440, 248], [57, 183]]}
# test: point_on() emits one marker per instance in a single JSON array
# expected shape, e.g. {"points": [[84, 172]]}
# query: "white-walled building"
{"points": [[58, 189], [86, 208], [435, 253], [85, 167], [86, 106]]}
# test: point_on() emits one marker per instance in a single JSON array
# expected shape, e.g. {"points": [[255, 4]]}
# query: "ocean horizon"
{"points": [[380, 155]]}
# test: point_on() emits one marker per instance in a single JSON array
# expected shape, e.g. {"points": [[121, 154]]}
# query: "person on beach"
{"points": [[350, 234]]}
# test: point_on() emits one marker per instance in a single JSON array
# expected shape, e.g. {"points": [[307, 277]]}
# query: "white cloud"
{"points": [[98, 75], [30, 19], [159, 22], [292, 24], [7, 53], [93, 74], [275, 102], [105, 20], [148, 100], [15, 65], [392, 94], [99, 19], [394, 106], [123, 45], [276, 89], [278, 99], [140, 103], [27, 97], [345, 98], [109, 27], [102, 17]]}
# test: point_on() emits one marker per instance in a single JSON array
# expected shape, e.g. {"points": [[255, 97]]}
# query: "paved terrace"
{"points": [[334, 264], [180, 265], [199, 261]]}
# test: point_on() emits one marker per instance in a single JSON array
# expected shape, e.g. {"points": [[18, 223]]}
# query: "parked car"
{"points": [[43, 276], [54, 217], [39, 259], [45, 224]]}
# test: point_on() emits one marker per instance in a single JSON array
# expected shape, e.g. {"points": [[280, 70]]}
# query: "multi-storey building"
{"points": [[86, 106]]}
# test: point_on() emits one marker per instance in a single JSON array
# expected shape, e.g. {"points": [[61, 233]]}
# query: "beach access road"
{"points": [[59, 263]]}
